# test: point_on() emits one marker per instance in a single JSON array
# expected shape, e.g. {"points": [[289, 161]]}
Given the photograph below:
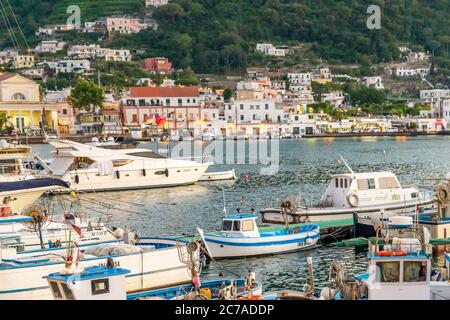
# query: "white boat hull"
{"points": [[20, 199], [223, 247], [219, 176], [274, 215], [149, 270], [90, 181]]}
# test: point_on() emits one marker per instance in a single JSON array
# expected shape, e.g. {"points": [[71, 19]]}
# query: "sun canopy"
{"points": [[32, 184]]}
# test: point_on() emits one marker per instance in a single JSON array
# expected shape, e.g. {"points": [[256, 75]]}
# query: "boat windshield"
{"points": [[147, 154], [227, 225]]}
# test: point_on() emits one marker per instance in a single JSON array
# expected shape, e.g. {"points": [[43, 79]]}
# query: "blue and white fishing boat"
{"points": [[399, 268], [240, 237], [109, 283]]}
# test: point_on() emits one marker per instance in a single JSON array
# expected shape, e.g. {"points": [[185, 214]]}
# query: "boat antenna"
{"points": [[342, 161]]}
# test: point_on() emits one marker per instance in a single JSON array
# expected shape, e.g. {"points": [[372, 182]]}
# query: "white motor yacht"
{"points": [[88, 168]]}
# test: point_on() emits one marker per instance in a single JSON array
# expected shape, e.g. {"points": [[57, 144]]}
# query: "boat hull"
{"points": [[90, 181], [149, 270], [20, 199], [220, 247], [274, 215]]}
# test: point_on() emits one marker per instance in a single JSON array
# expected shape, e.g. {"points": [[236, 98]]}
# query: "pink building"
{"points": [[124, 25], [179, 107], [158, 65]]}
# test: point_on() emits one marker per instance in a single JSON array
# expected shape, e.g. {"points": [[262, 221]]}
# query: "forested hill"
{"points": [[219, 35]]}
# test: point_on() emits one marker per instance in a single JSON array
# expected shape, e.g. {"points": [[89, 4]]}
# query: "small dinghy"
{"points": [[219, 176], [240, 237]]}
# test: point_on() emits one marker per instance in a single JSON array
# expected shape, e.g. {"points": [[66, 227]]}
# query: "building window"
{"points": [[242, 107], [242, 117], [167, 102], [388, 272], [64, 111], [414, 271], [18, 97], [135, 118]]}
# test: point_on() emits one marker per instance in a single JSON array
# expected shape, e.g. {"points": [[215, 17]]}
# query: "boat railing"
{"points": [[202, 159]]}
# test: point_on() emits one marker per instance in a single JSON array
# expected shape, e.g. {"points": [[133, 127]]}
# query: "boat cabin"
{"points": [[366, 189], [240, 225], [94, 283], [400, 269]]}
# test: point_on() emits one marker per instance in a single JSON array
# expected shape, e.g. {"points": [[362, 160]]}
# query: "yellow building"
{"points": [[23, 61], [20, 102]]}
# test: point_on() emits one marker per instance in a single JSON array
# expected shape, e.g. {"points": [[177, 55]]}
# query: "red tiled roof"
{"points": [[6, 76], [169, 92]]}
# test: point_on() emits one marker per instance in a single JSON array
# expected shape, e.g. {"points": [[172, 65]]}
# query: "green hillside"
{"points": [[218, 36]]}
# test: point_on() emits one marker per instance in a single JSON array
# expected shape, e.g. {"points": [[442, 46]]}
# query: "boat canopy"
{"points": [[32, 184]]}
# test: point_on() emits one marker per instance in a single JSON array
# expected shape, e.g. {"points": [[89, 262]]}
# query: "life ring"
{"points": [[443, 192], [385, 253], [353, 199], [252, 298]]}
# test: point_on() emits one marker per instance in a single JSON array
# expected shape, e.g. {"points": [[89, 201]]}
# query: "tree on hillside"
{"points": [[168, 14], [87, 96]]}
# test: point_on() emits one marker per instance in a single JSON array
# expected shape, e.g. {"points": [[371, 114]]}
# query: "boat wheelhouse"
{"points": [[399, 268], [365, 193], [108, 283], [88, 168], [240, 237]]}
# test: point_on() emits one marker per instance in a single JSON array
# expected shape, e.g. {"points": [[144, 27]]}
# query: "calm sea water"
{"points": [[305, 167]]}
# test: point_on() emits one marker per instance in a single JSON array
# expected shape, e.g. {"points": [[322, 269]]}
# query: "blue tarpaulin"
{"points": [[32, 184]]}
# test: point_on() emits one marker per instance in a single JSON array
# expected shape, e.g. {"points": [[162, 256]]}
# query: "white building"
{"points": [[73, 66], [89, 51], [335, 98], [375, 82], [50, 46], [53, 29], [405, 71], [270, 50], [303, 79], [116, 55], [156, 3], [23, 61], [434, 94], [253, 112]]}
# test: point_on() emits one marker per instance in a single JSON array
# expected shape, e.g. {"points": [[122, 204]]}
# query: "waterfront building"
{"points": [[168, 108], [20, 101]]}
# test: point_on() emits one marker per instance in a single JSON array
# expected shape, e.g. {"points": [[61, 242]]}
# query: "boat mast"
{"points": [[342, 160]]}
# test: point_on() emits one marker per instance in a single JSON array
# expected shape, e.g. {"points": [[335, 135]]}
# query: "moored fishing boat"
{"points": [[108, 283], [240, 237], [365, 193], [399, 268], [153, 263]]}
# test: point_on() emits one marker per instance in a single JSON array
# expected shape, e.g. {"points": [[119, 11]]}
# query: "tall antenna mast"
{"points": [[342, 160]]}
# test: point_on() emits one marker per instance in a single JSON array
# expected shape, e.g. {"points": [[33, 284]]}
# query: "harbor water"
{"points": [[305, 169]]}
